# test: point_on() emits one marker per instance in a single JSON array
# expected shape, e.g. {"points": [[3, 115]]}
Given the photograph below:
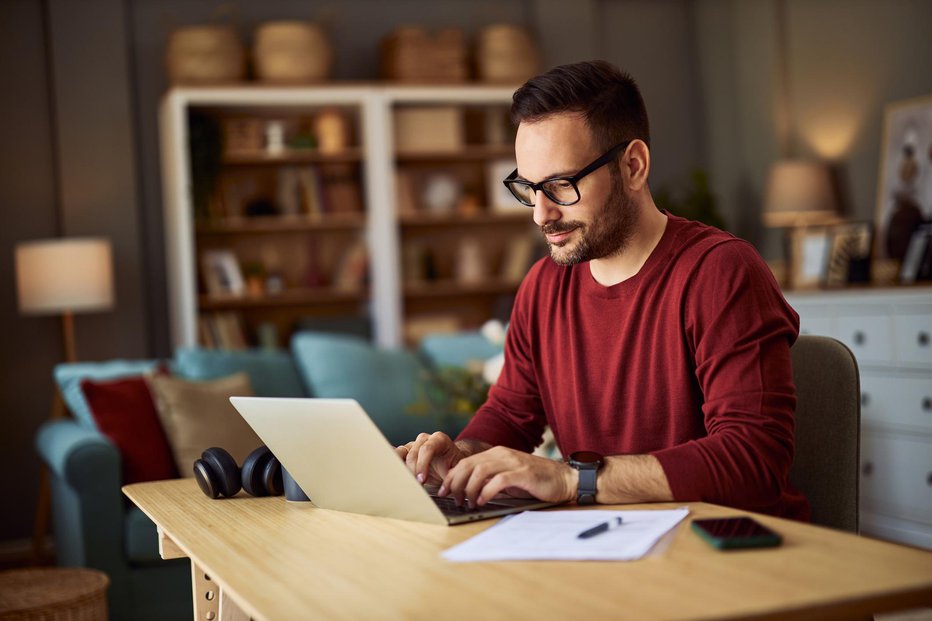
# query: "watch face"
{"points": [[586, 457]]}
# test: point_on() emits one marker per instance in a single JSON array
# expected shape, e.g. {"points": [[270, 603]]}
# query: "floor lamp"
{"points": [[61, 277]]}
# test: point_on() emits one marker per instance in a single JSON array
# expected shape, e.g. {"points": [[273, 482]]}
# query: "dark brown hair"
{"points": [[608, 99]]}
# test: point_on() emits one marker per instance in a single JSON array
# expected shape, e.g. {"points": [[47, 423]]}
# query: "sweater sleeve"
{"points": [[513, 415], [739, 329]]}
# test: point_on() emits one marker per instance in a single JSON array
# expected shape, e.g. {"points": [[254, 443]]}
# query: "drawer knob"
{"points": [[859, 338], [927, 404], [923, 339], [867, 469], [865, 399]]}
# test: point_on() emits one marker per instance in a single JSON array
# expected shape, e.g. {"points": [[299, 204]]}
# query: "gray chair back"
{"points": [[828, 420]]}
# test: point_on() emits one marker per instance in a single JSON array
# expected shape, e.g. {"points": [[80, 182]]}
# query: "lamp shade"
{"points": [[799, 193], [58, 275]]}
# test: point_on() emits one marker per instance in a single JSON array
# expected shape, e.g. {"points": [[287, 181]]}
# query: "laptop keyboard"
{"points": [[448, 505]]}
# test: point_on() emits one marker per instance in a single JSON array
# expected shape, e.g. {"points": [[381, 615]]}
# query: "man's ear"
{"points": [[635, 165]]}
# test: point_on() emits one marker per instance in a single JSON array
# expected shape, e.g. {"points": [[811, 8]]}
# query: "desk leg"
{"points": [[210, 602]]}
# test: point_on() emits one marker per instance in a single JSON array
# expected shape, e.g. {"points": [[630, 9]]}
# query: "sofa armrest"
{"points": [[79, 456], [87, 504]]}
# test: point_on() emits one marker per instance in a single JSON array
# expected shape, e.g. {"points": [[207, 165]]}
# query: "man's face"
{"points": [[601, 223]]}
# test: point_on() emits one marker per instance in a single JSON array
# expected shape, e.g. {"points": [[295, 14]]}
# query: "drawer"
{"points": [[816, 326], [896, 475], [897, 401], [870, 337], [914, 338]]}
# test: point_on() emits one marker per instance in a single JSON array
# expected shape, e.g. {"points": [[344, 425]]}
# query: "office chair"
{"points": [[828, 419]]}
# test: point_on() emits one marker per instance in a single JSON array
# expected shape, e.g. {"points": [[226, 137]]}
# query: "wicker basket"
{"points": [[205, 55], [505, 53], [53, 594], [410, 54], [291, 51]]}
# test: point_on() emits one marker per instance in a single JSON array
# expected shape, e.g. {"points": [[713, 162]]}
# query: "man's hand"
{"points": [[431, 456], [480, 477]]}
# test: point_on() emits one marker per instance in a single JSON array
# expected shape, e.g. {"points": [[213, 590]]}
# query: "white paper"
{"points": [[553, 535]]}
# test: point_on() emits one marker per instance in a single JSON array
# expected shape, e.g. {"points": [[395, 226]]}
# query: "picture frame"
{"points": [[849, 253], [221, 272], [904, 188], [809, 251], [917, 264]]}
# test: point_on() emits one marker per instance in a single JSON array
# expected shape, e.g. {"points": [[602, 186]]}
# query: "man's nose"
{"points": [[545, 210]]}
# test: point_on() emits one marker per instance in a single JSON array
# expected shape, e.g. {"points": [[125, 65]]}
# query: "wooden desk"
{"points": [[275, 560]]}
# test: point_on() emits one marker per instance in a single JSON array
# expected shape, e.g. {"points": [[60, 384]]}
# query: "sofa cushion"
{"points": [[197, 415], [271, 373], [141, 538], [125, 413], [68, 376], [387, 383], [459, 350]]}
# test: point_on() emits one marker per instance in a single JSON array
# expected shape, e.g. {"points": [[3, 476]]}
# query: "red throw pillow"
{"points": [[124, 413]]}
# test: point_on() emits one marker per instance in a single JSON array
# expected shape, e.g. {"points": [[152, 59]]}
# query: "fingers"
{"points": [[427, 453], [433, 452]]}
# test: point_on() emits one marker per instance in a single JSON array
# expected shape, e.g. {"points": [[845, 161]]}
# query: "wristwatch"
{"points": [[588, 464]]}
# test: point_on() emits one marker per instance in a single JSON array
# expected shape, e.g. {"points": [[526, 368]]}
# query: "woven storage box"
{"points": [[505, 54], [410, 54], [53, 594], [205, 55], [291, 51]]}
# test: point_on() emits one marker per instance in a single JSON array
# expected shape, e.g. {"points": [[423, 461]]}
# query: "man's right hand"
{"points": [[431, 456]]}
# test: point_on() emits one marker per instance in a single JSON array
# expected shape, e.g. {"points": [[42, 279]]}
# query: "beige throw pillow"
{"points": [[197, 415]]}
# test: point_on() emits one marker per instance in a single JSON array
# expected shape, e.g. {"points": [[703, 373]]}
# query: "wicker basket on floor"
{"points": [[53, 594]]}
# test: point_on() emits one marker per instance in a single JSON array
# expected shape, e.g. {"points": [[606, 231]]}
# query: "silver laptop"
{"points": [[342, 461]]}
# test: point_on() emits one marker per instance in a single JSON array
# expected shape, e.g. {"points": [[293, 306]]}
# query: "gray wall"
{"points": [[79, 153]]}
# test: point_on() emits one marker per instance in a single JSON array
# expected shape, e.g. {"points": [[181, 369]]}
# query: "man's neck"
{"points": [[620, 267]]}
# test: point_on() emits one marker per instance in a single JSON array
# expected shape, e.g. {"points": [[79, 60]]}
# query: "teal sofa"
{"points": [[94, 525]]}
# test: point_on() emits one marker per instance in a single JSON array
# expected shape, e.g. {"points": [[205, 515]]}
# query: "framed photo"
{"points": [[500, 199], [809, 250], [917, 264], [849, 254], [904, 190], [222, 276]]}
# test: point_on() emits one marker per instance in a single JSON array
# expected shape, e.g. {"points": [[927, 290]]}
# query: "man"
{"points": [[657, 349]]}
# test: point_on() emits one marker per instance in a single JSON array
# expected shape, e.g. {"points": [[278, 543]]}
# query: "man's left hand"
{"points": [[478, 478]]}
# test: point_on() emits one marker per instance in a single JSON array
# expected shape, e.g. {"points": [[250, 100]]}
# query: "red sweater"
{"points": [[689, 361]]}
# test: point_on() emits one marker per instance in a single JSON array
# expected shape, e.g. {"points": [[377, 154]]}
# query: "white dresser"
{"points": [[890, 333]]}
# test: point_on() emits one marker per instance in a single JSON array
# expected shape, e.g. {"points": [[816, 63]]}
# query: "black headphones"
{"points": [[218, 475]]}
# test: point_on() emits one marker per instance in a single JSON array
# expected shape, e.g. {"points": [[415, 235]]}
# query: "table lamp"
{"points": [[64, 276], [799, 194]]}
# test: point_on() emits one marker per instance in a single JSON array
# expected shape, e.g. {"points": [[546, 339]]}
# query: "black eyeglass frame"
{"points": [[599, 162]]}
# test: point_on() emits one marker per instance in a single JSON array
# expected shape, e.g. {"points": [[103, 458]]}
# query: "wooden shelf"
{"points": [[295, 156], [282, 224], [471, 152], [484, 218], [454, 288], [289, 297]]}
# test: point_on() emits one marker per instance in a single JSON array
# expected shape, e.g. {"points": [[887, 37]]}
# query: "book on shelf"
{"points": [[222, 330], [352, 268], [311, 191], [518, 258], [221, 273]]}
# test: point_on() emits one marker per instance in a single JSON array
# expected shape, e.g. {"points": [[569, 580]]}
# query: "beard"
{"points": [[606, 235]]}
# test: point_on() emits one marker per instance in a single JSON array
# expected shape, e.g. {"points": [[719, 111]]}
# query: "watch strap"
{"points": [[585, 492]]}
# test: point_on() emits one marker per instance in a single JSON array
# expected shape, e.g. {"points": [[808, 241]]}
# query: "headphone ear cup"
{"points": [[272, 477], [254, 467], [206, 480], [223, 470]]}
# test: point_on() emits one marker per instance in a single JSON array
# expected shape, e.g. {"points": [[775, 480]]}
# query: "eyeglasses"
{"points": [[561, 190]]}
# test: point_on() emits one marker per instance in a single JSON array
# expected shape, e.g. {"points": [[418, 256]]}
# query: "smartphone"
{"points": [[736, 532]]}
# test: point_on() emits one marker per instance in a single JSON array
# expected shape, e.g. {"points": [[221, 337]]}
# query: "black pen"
{"points": [[601, 528]]}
